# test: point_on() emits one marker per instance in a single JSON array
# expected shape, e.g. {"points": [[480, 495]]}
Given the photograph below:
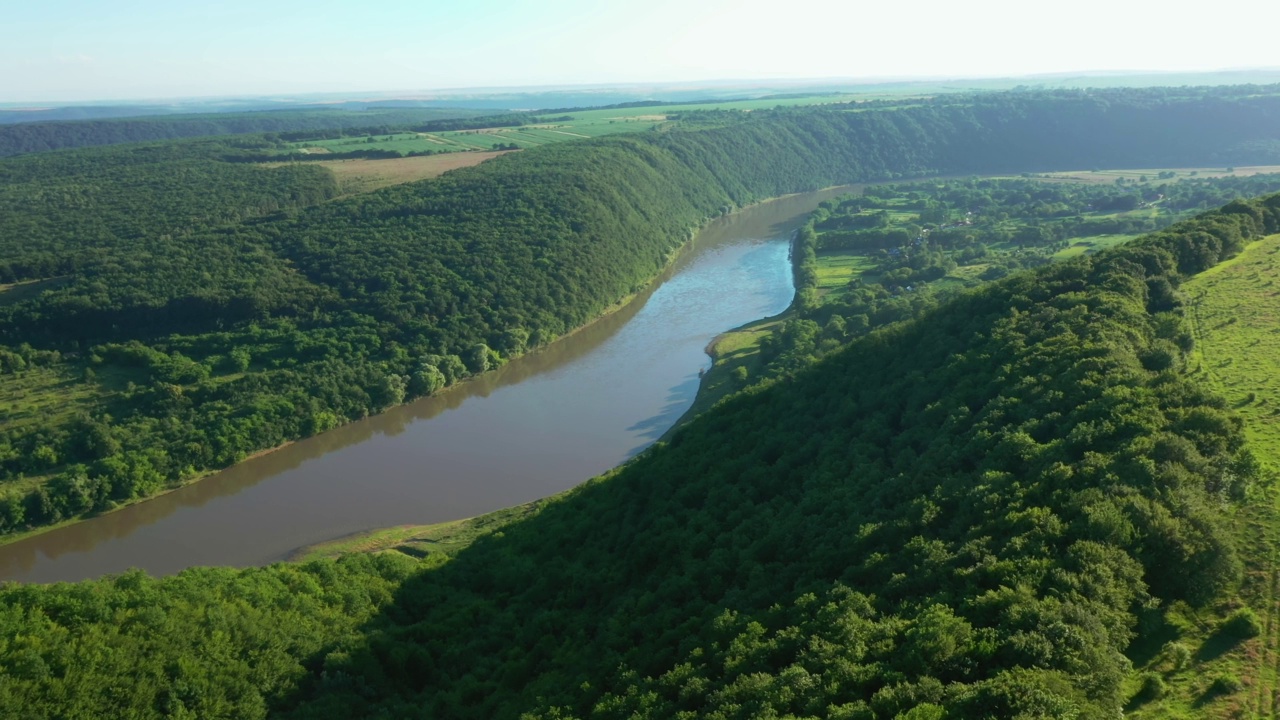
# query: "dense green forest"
{"points": [[73, 215], [149, 343], [971, 514], [35, 137]]}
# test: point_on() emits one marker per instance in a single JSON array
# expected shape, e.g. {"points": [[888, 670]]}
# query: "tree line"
{"points": [[39, 137]]}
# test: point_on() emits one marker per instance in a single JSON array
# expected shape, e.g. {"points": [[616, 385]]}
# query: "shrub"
{"points": [[1242, 623], [1177, 654]]}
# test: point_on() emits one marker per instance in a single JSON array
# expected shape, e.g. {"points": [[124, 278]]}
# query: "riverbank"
{"points": [[420, 540], [460, 387], [13, 538], [534, 427], [733, 349], [442, 540]]}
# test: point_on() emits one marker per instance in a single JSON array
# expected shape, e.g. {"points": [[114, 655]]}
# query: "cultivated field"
{"points": [[361, 176]]}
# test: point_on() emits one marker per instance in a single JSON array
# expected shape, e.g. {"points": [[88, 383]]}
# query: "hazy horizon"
{"points": [[745, 84], [64, 51]]}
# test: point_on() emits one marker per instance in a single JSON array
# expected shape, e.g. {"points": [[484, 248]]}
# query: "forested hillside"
{"points": [[150, 354], [961, 516], [70, 215], [34, 137]]}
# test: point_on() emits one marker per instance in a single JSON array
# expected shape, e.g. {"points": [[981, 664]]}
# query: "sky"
{"points": [[79, 50]]}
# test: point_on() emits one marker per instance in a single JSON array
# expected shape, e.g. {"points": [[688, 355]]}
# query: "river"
{"points": [[539, 425]]}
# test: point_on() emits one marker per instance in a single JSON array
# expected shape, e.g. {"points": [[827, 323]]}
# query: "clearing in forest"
{"points": [[361, 176]]}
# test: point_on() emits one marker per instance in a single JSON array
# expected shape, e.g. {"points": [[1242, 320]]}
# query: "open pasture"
{"points": [[404, 142], [836, 269]]}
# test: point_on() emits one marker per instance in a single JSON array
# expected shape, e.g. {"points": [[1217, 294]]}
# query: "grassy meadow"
{"points": [[1084, 246], [1224, 674], [1236, 315]]}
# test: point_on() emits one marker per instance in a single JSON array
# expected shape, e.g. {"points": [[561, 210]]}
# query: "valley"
{"points": [[1001, 445]]}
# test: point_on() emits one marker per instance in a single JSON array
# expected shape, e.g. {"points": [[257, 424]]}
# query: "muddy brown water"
{"points": [[539, 425]]}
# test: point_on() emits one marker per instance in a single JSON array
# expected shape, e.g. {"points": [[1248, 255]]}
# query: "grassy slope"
{"points": [[1233, 312], [421, 541], [1237, 314]]}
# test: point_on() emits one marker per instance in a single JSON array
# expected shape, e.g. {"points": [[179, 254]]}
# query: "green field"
{"points": [[836, 270], [1153, 175], [631, 113], [405, 142], [1084, 246]]}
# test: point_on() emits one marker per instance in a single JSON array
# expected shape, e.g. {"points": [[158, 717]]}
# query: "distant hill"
{"points": [[18, 138]]}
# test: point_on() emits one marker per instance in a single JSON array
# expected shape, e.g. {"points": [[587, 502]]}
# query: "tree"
{"points": [[389, 391], [478, 358], [426, 381]]}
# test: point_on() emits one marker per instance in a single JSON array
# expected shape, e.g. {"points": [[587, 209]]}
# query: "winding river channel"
{"points": [[539, 425]]}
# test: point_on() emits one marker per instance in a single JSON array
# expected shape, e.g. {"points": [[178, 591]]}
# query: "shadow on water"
{"points": [[678, 401]]}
